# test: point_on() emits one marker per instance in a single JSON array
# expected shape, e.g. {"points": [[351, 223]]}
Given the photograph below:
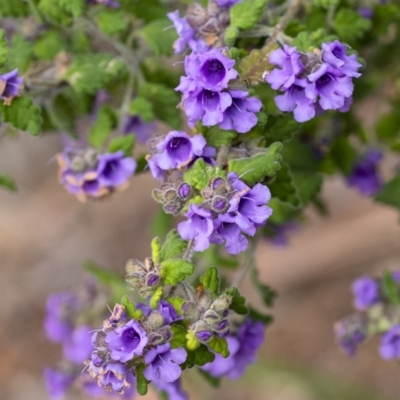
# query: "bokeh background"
{"points": [[45, 235]]}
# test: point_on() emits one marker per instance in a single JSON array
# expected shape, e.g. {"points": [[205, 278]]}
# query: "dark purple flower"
{"points": [[127, 341], [108, 3], [390, 344], [162, 363], [172, 389], [142, 130], [240, 115], [168, 312], [79, 346], [365, 175], [365, 12], [227, 3], [199, 226], [57, 383], [10, 86], [366, 292], [115, 169], [115, 378], [288, 59]]}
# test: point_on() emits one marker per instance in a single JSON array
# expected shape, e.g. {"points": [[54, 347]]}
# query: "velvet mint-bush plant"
{"points": [[246, 107]]}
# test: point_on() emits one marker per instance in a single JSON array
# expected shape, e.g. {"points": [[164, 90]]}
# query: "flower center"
{"points": [[214, 71], [130, 336]]}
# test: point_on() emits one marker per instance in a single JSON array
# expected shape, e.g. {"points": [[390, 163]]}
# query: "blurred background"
{"points": [[45, 235]]}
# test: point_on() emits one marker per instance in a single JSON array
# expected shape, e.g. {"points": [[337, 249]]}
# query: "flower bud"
{"points": [[222, 329], [219, 204], [204, 336], [184, 191]]}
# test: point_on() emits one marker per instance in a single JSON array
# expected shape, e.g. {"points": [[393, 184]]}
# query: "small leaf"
{"points": [[217, 137], [280, 128], [175, 270], [214, 382], [219, 345], [283, 187], [141, 381], [123, 143], [159, 38], [350, 25], [143, 108], [101, 129], [390, 289], [178, 336], [174, 245], [7, 183], [156, 297], [20, 53], [130, 309], [256, 168], [112, 22], [155, 250], [192, 343], [203, 356], [308, 185], [238, 301], [200, 174], [257, 316], [12, 8], [3, 48], [177, 303], [390, 193], [245, 15], [49, 45], [210, 280]]}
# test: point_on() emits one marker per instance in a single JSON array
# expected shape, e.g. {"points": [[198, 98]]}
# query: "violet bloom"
{"points": [[162, 363], [199, 226], [350, 332], [227, 3], [108, 3], [365, 175], [60, 309], [390, 344], [10, 86], [231, 234], [115, 169], [57, 383], [288, 59], [280, 233], [115, 378], [366, 292], [79, 346], [127, 341], [365, 12], [172, 389], [142, 130], [240, 115], [168, 312]]}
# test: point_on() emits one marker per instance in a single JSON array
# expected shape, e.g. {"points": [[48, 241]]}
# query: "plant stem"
{"points": [[187, 255]]}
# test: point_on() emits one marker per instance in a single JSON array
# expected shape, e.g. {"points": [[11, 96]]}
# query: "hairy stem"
{"points": [[187, 255]]}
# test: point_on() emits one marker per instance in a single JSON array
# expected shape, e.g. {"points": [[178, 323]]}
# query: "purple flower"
{"points": [[10, 86], [227, 3], [57, 383], [108, 3], [351, 332], [280, 233], [163, 363], [168, 312], [142, 130], [172, 389], [175, 151], [230, 233], [127, 341], [79, 346], [199, 226], [288, 59], [366, 292], [365, 12], [60, 309], [114, 169], [365, 176], [390, 344], [115, 378], [240, 115]]}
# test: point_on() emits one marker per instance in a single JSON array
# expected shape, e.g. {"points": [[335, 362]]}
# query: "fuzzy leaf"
{"points": [[173, 246], [143, 108], [3, 48], [177, 303], [141, 381], [200, 174], [238, 301], [156, 297], [217, 137], [280, 128], [254, 169], [111, 21], [22, 114], [148, 10], [306, 41], [390, 193], [283, 187], [155, 250], [20, 53], [123, 143], [178, 336], [350, 25], [390, 288], [308, 185], [13, 8], [7, 183], [130, 309], [257, 316], [219, 345], [158, 37], [246, 14], [49, 45], [210, 280], [175, 270], [203, 355], [101, 129]]}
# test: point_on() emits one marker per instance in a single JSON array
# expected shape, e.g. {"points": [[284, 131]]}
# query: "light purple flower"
{"points": [[142, 130], [115, 169], [79, 346], [172, 389], [168, 312], [57, 383], [108, 3], [390, 344], [230, 233], [199, 226], [240, 115], [127, 341], [366, 292], [227, 3], [115, 378], [10, 86], [162, 363]]}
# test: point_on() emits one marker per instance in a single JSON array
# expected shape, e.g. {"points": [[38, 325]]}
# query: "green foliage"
{"points": [[174, 245], [267, 294], [200, 173], [216, 137], [91, 72], [49, 45], [280, 128], [20, 53], [101, 129], [177, 303], [22, 114], [390, 193], [158, 37], [343, 154], [112, 22], [148, 10], [256, 168], [257, 316], [350, 25], [246, 14], [388, 128], [143, 108], [390, 288], [210, 280], [3, 48], [308, 41], [326, 3], [238, 301], [13, 8], [124, 143], [130, 309], [156, 297], [219, 345], [308, 185], [175, 270], [178, 336], [283, 187], [8, 183], [141, 381], [62, 11], [214, 382]]}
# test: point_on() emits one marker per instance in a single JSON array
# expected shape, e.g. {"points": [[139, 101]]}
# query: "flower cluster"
{"points": [[85, 173], [376, 300], [230, 210], [207, 97], [10, 86], [316, 81]]}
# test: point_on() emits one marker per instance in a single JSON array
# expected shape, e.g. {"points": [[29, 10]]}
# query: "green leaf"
{"points": [[143, 108], [254, 169], [111, 21], [22, 114], [280, 128], [202, 356], [174, 245], [156, 297], [308, 41], [177, 303], [200, 174], [13, 8], [164, 101], [217, 137], [3, 48], [155, 250], [178, 336], [101, 129], [175, 270], [219, 345], [210, 280], [130, 309], [390, 193], [343, 154], [388, 127], [350, 25], [74, 7], [246, 14], [308, 185], [20, 53], [283, 187], [326, 3], [214, 382], [159, 38], [124, 143], [390, 289], [257, 316], [267, 294], [141, 381], [238, 301], [7, 183], [148, 10], [49, 45]]}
